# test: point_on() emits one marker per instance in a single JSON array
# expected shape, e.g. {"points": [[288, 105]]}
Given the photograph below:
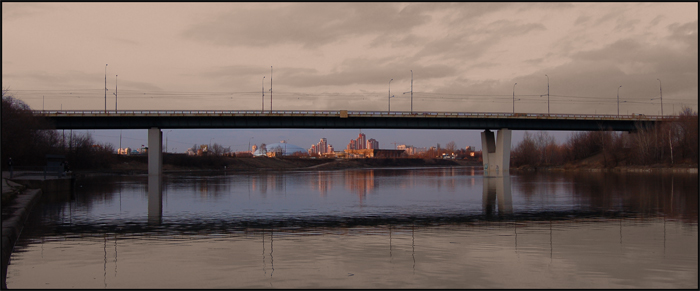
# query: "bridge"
{"points": [[145, 119], [495, 152]]}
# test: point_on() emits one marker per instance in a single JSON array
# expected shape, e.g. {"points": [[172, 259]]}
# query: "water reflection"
{"points": [[155, 199], [496, 191]]}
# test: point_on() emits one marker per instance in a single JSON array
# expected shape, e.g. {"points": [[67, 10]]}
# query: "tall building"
{"points": [[372, 144], [321, 148], [352, 145], [361, 142]]}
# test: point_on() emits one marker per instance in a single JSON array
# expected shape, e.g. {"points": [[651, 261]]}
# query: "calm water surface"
{"points": [[369, 228]]}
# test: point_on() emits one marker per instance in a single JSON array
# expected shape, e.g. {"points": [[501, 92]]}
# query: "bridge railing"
{"points": [[358, 113]]}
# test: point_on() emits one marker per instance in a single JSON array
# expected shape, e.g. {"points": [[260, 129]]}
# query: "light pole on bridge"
{"points": [[618, 100], [270, 89], [106, 88], [661, 96], [263, 94], [547, 92], [116, 88], [390, 94], [514, 97]]}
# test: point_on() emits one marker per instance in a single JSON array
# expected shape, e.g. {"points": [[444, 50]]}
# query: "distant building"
{"points": [[373, 153], [361, 143], [411, 150], [278, 149], [372, 144], [321, 148], [124, 151]]}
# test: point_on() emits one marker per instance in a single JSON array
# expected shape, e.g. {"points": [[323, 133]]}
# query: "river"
{"points": [[366, 228]]}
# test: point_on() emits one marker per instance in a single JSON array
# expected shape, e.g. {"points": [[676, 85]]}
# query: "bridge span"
{"points": [[182, 119], [495, 151]]}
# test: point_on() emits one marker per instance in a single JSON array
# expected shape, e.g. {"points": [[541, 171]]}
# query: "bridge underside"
{"points": [[191, 122]]}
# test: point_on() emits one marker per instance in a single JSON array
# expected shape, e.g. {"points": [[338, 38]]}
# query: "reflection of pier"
{"points": [[497, 192]]}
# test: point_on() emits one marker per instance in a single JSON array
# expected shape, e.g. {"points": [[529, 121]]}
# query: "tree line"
{"points": [[27, 139], [674, 141]]}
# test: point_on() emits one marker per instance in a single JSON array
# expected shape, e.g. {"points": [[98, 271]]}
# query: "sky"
{"points": [[454, 57]]}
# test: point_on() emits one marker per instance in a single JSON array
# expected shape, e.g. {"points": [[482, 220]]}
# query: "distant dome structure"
{"points": [[283, 147]]}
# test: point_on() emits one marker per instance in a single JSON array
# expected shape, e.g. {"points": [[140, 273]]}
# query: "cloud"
{"points": [[473, 42], [15, 11], [357, 71], [307, 24]]}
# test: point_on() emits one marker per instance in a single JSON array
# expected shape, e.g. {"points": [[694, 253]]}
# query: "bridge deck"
{"points": [[141, 119]]}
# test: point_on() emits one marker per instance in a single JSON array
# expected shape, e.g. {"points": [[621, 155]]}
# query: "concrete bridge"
{"points": [[495, 151]]}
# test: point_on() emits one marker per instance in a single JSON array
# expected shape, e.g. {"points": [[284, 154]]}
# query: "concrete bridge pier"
{"points": [[155, 175], [496, 153]]}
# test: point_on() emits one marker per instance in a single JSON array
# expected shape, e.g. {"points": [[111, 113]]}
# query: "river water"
{"points": [[367, 228]]}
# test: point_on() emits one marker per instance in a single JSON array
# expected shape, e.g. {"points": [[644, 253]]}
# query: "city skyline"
{"points": [[579, 58]]}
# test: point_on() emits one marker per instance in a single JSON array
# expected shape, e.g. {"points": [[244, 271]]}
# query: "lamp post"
{"points": [[116, 88], [514, 97], [661, 95], [106, 88], [618, 101], [547, 92], [389, 99], [270, 89], [411, 91], [263, 94]]}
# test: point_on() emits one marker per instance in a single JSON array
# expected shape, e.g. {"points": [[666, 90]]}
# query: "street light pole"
{"points": [[514, 97], [263, 94], [661, 95], [618, 100], [116, 89], [411, 91], [390, 94], [270, 89], [106, 88], [547, 92]]}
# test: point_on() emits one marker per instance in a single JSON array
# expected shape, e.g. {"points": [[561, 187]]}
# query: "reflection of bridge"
{"points": [[496, 153]]}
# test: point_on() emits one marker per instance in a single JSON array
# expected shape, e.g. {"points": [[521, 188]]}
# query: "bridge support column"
{"points": [[496, 153], [155, 175]]}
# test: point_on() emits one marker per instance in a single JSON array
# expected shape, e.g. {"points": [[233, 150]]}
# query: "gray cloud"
{"points": [[472, 42], [589, 82], [308, 24], [14, 11], [360, 71]]}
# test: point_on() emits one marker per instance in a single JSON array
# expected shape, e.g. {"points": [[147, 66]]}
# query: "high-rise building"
{"points": [[372, 144], [321, 148], [361, 142], [352, 145]]}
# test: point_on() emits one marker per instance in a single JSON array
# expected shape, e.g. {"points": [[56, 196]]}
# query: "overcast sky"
{"points": [[331, 56]]}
